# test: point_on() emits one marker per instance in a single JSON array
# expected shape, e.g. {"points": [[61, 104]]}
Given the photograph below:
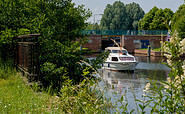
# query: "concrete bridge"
{"points": [[129, 39]]}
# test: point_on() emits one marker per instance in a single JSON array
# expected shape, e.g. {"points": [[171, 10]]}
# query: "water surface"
{"points": [[116, 83]]}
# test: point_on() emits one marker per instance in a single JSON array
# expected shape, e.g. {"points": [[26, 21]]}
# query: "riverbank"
{"points": [[17, 96], [152, 53]]}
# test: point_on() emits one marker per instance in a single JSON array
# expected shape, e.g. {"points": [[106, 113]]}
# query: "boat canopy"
{"points": [[114, 48]]}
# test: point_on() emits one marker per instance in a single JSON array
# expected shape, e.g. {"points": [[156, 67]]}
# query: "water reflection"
{"points": [[148, 68], [134, 82], [151, 59], [119, 80]]}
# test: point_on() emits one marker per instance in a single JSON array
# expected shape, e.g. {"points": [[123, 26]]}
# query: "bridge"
{"points": [[124, 32], [130, 39]]}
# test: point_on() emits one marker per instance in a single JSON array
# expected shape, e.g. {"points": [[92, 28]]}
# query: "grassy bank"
{"points": [[17, 97]]}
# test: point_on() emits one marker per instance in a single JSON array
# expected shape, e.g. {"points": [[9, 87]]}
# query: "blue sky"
{"points": [[98, 6]]}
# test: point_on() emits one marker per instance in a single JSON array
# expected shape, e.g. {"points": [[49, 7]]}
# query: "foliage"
{"points": [[92, 26], [135, 13], [96, 27], [53, 75], [16, 97], [144, 23], [156, 19], [6, 69], [180, 27], [170, 97], [178, 22], [121, 17], [19, 96], [83, 98], [89, 26], [59, 23]]}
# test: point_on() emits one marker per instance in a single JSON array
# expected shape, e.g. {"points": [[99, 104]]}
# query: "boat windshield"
{"points": [[119, 51]]}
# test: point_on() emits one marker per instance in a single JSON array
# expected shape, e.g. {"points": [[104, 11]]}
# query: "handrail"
{"points": [[124, 32]]}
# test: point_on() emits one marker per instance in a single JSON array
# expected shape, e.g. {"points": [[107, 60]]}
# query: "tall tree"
{"points": [[106, 17], [135, 13], [178, 22], [115, 17], [156, 19], [144, 23], [180, 27], [161, 18], [59, 22]]}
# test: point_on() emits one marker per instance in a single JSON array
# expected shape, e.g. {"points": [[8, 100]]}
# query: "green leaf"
{"points": [[132, 111], [141, 106]]}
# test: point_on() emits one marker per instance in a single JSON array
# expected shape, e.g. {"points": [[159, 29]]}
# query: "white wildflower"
{"points": [[168, 81], [84, 103], [182, 43], [178, 82], [169, 62], [170, 22], [144, 95], [172, 40], [147, 87], [168, 56], [183, 76]]}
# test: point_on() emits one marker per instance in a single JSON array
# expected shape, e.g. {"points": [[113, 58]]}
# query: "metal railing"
{"points": [[124, 32]]}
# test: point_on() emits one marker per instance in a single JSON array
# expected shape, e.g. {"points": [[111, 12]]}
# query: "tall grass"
{"points": [[17, 97], [6, 69]]}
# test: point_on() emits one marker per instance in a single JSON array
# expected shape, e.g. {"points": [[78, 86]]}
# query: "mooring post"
{"points": [[149, 50]]}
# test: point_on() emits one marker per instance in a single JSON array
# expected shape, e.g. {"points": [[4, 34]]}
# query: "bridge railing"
{"points": [[124, 32]]}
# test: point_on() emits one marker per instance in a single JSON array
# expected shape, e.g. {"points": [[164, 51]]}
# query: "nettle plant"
{"points": [[169, 97]]}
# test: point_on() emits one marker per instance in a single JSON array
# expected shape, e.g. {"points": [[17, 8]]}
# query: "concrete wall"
{"points": [[132, 42]]}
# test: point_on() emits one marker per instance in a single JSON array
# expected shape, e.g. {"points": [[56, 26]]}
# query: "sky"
{"points": [[97, 6]]}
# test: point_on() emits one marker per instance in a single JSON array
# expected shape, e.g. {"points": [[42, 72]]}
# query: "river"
{"points": [[115, 83]]}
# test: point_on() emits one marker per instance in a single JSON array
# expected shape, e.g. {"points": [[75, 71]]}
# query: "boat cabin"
{"points": [[116, 50], [120, 51]]}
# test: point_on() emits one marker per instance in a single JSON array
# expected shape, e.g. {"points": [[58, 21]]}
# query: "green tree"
{"points": [[96, 27], [178, 21], [161, 18], [59, 22], [144, 23], [181, 27], [115, 17], [121, 17], [89, 26], [106, 18], [156, 19], [92, 26], [135, 13]]}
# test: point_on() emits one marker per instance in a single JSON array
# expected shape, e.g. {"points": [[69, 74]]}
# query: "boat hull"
{"points": [[120, 66]]}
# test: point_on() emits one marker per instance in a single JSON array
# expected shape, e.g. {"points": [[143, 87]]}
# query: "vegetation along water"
{"points": [[69, 81]]}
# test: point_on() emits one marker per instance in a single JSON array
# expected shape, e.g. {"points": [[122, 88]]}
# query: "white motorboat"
{"points": [[119, 59]]}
